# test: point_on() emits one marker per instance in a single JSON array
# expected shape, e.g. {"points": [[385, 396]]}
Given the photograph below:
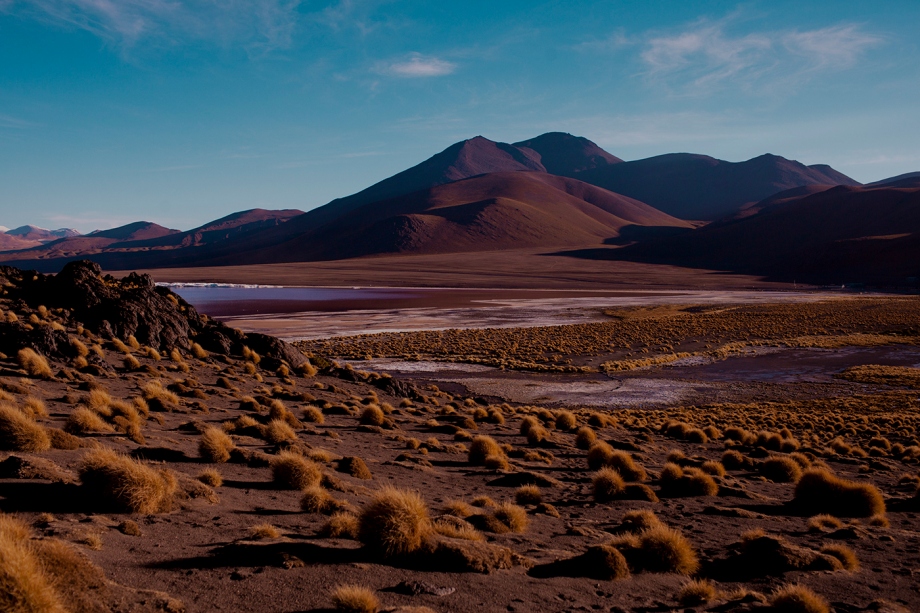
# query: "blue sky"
{"points": [[180, 112]]}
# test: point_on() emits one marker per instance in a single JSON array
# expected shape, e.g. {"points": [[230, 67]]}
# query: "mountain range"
{"points": [[561, 193]]}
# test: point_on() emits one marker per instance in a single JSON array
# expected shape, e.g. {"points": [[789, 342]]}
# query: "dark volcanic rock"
{"points": [[119, 308]]}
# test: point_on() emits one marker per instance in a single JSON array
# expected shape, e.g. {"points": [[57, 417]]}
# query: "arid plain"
{"points": [[712, 456]]}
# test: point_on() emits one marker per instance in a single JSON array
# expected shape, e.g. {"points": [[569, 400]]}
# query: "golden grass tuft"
{"points": [[665, 550], [697, 592], [199, 352], [34, 363], [126, 483], [781, 469], [211, 477], [483, 447], [843, 553], [372, 416], [84, 421], [293, 471], [820, 491], [458, 508], [506, 517], [316, 499], [797, 599], [607, 484], [585, 437], [215, 445], [528, 494], [566, 421], [264, 531], [677, 482], [278, 431], [34, 407], [24, 585], [824, 522], [394, 522], [354, 599], [19, 432], [313, 415], [341, 525]]}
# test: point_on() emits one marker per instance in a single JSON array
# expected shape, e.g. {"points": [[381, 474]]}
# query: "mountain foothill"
{"points": [[554, 194]]}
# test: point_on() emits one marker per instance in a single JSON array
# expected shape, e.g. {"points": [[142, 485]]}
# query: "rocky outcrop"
{"points": [[118, 308]]}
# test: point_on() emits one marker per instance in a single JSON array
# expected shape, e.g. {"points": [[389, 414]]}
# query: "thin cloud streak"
{"points": [[418, 66], [256, 24]]}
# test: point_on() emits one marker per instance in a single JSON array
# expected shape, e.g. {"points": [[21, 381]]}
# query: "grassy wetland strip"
{"points": [[637, 337]]}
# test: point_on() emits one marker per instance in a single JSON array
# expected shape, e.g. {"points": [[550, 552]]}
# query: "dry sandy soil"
{"points": [[739, 483]]}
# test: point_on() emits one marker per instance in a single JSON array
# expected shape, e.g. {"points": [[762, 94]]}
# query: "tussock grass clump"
{"points": [[696, 592], [341, 525], [824, 522], [313, 415], [126, 483], [25, 587], [679, 482], [781, 469], [711, 467], [215, 445], [278, 431], [797, 599], [84, 421], [585, 437], [293, 471], [264, 531], [659, 549], [482, 448], [394, 522], [354, 599], [158, 397], [528, 494], [505, 517], [843, 553], [607, 484], [820, 491], [458, 508], [372, 415], [19, 432], [566, 421], [605, 562], [602, 455], [356, 467], [34, 407], [34, 363], [317, 499], [211, 477]]}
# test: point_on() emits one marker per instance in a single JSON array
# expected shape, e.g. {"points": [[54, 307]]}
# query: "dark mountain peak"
{"points": [[908, 178], [564, 154], [30, 232], [138, 230], [249, 216]]}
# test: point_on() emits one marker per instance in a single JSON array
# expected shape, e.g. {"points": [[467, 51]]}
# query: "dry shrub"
{"points": [[84, 421], [734, 460], [781, 469], [820, 491], [634, 522], [602, 455], [34, 363], [659, 550], [25, 586], [823, 522], [313, 415], [34, 407], [696, 592], [159, 397], [294, 471], [458, 508], [585, 437], [797, 599], [19, 432], [711, 467], [394, 522], [199, 352], [566, 421], [211, 477], [483, 447], [843, 553], [677, 482], [607, 484], [131, 363], [79, 347], [604, 562], [215, 445], [880, 521], [528, 494], [130, 528], [537, 435], [126, 483], [264, 531], [372, 416], [505, 517], [341, 525], [317, 500], [354, 599], [278, 431]]}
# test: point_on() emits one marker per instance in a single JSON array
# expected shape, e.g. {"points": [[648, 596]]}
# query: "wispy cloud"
{"points": [[8, 121], [255, 24], [417, 65], [705, 56]]}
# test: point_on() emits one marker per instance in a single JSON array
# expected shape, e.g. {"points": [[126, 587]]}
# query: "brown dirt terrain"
{"points": [[238, 487]]}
